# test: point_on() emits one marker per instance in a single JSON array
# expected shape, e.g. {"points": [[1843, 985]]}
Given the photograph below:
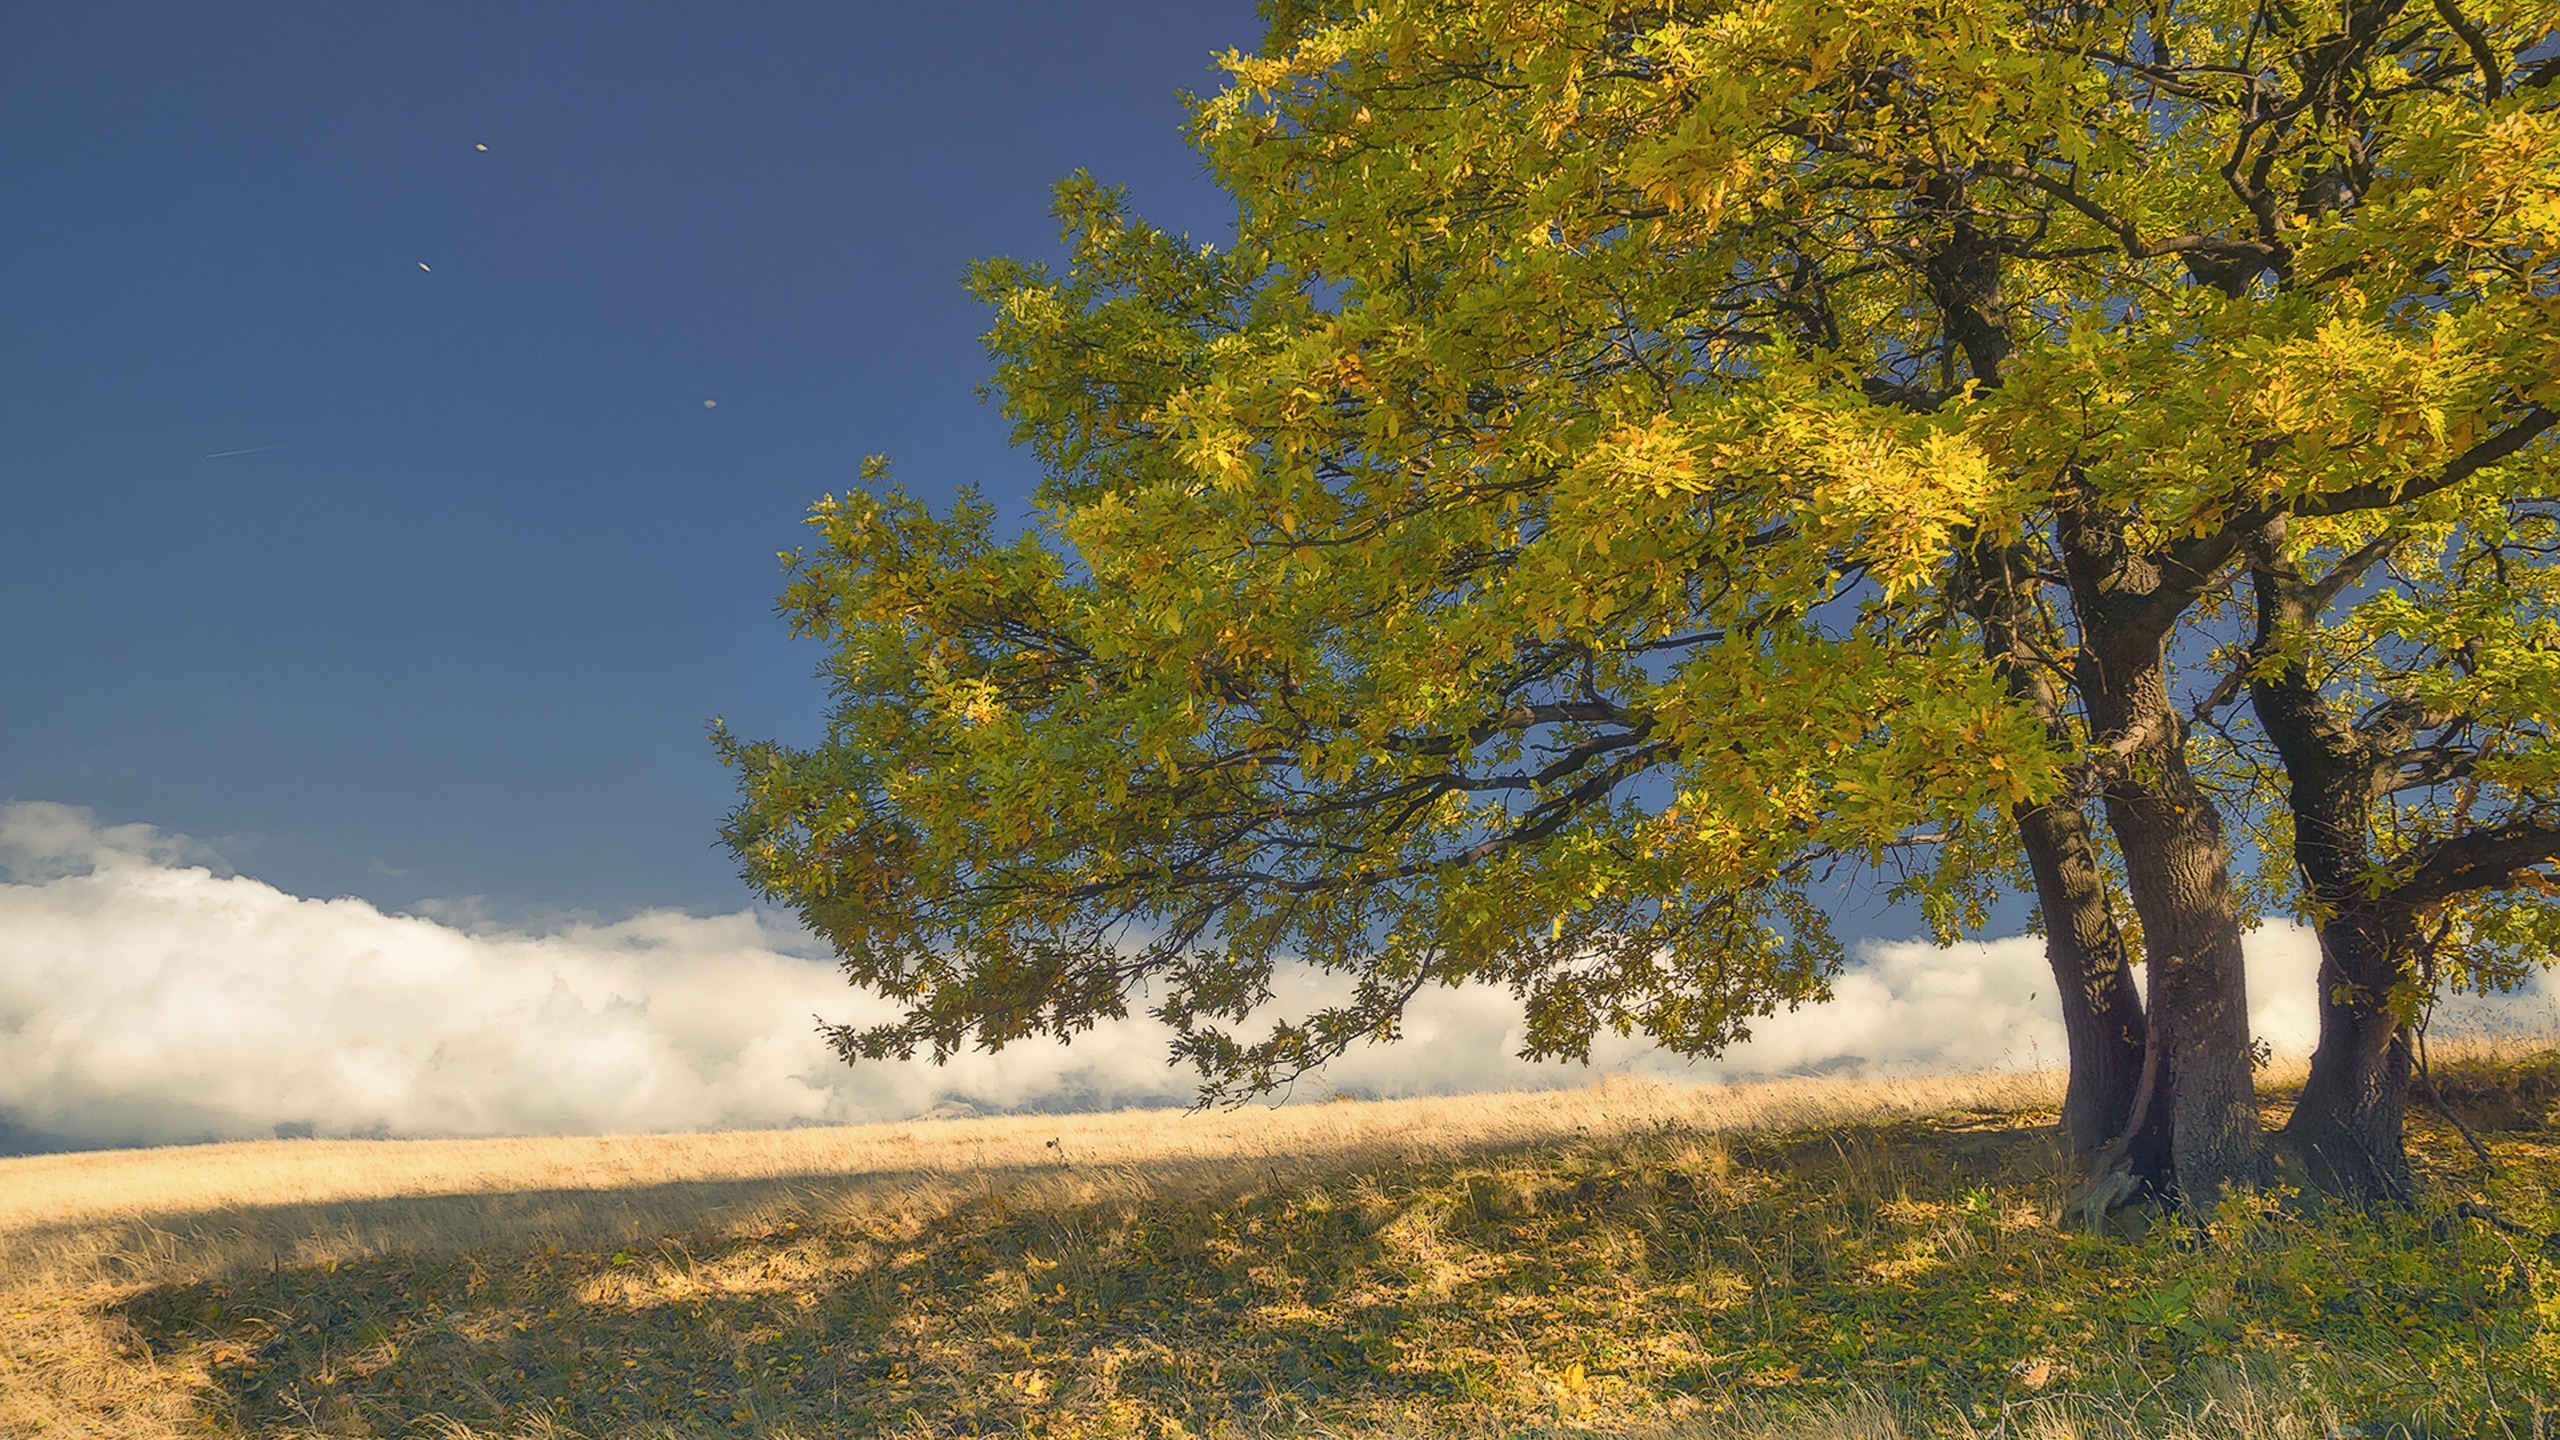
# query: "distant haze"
{"points": [[146, 996]]}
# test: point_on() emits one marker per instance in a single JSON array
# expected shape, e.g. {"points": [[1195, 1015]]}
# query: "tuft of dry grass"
{"points": [[1818, 1257]]}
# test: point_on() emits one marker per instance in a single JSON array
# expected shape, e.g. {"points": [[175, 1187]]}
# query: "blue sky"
{"points": [[363, 514], [361, 518]]}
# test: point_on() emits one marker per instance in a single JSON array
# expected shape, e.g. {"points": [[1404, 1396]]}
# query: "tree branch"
{"points": [[2491, 85], [2499, 859], [2462, 467], [2187, 567]]}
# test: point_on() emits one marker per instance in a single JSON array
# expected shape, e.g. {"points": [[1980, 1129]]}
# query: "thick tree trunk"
{"points": [[2348, 1125], [2176, 866]]}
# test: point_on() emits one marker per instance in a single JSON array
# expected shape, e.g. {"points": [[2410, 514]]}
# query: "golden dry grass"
{"points": [[80, 1233], [50, 1195], [1843, 1259]]}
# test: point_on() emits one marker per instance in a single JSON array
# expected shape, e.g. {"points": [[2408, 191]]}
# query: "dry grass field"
{"points": [[1849, 1258]]}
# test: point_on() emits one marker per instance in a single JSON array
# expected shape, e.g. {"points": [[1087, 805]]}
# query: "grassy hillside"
{"points": [[1868, 1259]]}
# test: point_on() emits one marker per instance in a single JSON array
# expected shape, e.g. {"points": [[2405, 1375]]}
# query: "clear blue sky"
{"points": [[416, 582]]}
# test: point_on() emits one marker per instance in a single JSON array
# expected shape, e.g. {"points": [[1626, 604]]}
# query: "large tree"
{"points": [[1633, 457]]}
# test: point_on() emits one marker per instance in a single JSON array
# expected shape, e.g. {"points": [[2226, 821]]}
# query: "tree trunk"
{"points": [[2348, 1125], [2176, 866], [2102, 1023]]}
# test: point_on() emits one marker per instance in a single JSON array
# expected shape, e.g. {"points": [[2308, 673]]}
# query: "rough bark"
{"points": [[2176, 868], [2176, 864], [2348, 1125], [2102, 1022], [2102, 1019]]}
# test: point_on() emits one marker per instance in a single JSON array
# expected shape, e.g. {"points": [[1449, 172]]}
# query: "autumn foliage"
{"points": [[1634, 460]]}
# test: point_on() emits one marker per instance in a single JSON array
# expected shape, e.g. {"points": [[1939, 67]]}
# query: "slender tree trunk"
{"points": [[2348, 1126], [2102, 1023]]}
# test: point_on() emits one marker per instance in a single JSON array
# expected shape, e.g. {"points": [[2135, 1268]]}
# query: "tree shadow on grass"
{"points": [[1570, 1282], [1579, 1285]]}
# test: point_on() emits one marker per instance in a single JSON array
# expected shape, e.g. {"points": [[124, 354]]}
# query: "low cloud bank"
{"points": [[148, 996]]}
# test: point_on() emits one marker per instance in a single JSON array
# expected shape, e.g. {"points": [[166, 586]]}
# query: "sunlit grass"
{"points": [[1806, 1257]]}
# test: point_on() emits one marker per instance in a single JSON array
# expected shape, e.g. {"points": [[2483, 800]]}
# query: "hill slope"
{"points": [[1874, 1256]]}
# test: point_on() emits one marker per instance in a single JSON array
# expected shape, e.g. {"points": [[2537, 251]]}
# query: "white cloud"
{"points": [[1904, 1008], [146, 996]]}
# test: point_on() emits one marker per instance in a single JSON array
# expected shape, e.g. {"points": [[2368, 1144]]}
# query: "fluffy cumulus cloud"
{"points": [[146, 995]]}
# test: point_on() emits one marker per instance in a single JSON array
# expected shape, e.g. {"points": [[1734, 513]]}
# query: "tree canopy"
{"points": [[1634, 457]]}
